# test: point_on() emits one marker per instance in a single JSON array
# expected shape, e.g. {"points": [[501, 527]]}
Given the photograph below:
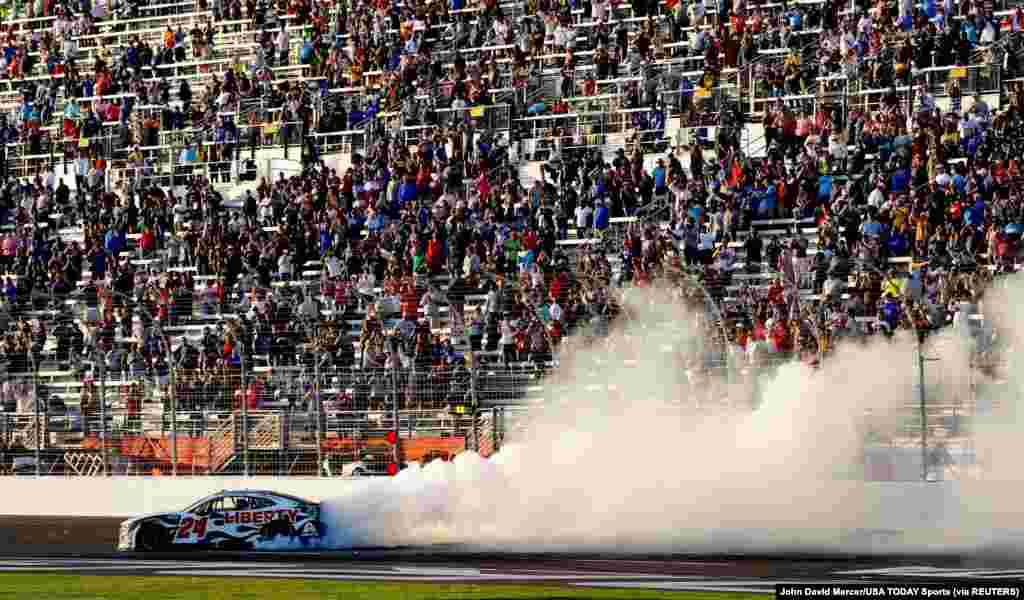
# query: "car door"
{"points": [[226, 519], [194, 526]]}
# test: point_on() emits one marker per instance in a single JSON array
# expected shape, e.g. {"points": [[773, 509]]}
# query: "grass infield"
{"points": [[45, 586]]}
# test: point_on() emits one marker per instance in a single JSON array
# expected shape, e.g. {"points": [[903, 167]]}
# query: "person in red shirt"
{"points": [[147, 241], [530, 241], [410, 302], [776, 293], [435, 255], [252, 396], [778, 336]]}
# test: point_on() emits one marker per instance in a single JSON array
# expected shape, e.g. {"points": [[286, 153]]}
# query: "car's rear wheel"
{"points": [[150, 538]]}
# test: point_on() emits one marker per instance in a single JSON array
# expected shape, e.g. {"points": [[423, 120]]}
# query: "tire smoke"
{"points": [[665, 464]]}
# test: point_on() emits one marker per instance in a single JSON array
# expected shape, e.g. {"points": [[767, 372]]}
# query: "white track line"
{"points": [[690, 586], [435, 571], [382, 577], [940, 573]]}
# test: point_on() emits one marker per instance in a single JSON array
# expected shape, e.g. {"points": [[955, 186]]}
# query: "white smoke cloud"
{"points": [[650, 470]]}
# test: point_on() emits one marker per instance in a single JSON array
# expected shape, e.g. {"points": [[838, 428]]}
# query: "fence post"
{"points": [[35, 403], [103, 412], [396, 426], [245, 411], [474, 401], [474, 369], [922, 399], [317, 409], [494, 429], [174, 425]]}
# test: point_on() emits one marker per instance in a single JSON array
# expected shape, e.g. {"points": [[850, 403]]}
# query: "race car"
{"points": [[228, 520]]}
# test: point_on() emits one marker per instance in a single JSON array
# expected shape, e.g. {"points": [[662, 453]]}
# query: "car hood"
{"points": [[164, 517]]}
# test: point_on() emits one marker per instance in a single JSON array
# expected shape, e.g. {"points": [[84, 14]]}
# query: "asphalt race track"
{"points": [[85, 546]]}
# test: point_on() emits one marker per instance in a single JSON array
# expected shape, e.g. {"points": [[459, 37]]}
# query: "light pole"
{"points": [[922, 406], [922, 396]]}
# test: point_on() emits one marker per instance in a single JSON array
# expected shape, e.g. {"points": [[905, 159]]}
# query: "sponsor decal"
{"points": [[309, 529], [261, 516]]}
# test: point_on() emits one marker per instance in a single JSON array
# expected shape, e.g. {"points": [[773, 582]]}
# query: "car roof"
{"points": [[262, 493]]}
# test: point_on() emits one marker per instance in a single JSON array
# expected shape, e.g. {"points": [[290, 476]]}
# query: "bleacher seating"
{"points": [[533, 102]]}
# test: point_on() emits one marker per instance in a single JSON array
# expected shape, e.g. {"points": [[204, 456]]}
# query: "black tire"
{"points": [[150, 538]]}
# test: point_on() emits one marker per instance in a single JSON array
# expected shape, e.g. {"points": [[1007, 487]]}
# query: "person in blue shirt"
{"points": [[601, 216], [871, 228], [114, 241], [695, 212], [306, 55], [900, 181], [377, 223], [970, 32], [660, 178], [960, 183], [898, 244], [407, 193], [326, 241], [891, 313], [975, 215], [685, 94], [356, 220]]}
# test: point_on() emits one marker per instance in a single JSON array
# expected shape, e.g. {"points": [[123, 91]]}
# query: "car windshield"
{"points": [[197, 506]]}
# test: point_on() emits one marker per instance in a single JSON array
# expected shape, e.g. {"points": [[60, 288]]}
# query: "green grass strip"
{"points": [[45, 586]]}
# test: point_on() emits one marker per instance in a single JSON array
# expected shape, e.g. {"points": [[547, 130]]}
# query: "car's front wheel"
{"points": [[150, 538]]}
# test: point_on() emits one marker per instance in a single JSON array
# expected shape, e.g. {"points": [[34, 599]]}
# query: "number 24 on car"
{"points": [[192, 527]]}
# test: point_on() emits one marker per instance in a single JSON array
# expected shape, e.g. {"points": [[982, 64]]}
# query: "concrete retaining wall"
{"points": [[874, 517], [127, 496]]}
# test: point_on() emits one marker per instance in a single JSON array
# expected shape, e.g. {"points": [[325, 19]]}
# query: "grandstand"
{"points": [[252, 238]]}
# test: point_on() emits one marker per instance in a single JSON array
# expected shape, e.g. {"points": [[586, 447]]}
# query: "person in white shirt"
{"points": [[555, 310], [508, 342], [308, 309], [284, 266], [584, 212], [968, 124], [282, 43], [837, 150], [980, 109], [707, 245], [333, 265], [988, 34], [927, 101], [877, 196]]}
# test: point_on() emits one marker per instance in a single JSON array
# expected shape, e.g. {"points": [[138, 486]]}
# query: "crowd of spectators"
{"points": [[438, 256]]}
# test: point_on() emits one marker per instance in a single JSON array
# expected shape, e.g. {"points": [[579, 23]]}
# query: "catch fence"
{"points": [[140, 400]]}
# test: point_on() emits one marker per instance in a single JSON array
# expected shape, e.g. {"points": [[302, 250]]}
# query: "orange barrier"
{"points": [[192, 452], [196, 452]]}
